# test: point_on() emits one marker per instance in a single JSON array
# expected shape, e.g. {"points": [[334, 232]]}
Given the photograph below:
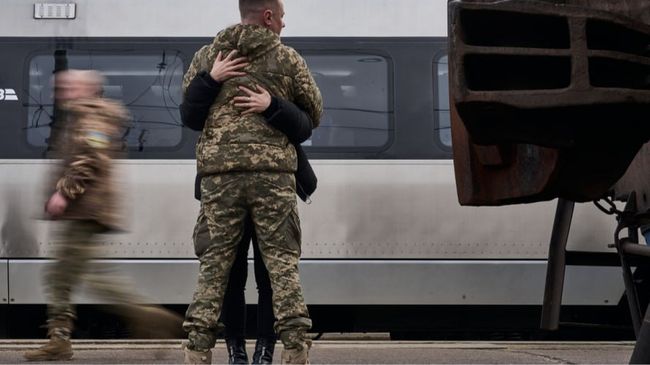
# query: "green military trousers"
{"points": [[75, 248], [270, 200]]}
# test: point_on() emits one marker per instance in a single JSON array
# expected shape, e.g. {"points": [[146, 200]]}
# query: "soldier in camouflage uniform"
{"points": [[84, 197], [247, 168]]}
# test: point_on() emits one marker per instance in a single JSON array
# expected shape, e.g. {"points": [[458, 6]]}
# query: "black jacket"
{"points": [[281, 114]]}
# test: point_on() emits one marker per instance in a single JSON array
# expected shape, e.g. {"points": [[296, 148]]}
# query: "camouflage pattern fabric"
{"points": [[91, 140], [226, 200], [234, 142], [72, 267]]}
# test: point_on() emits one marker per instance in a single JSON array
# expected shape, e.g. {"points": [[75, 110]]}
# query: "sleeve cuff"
{"points": [[69, 191], [272, 109], [208, 80]]}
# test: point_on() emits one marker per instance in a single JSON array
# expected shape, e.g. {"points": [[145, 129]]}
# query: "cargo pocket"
{"points": [[201, 235], [294, 234]]}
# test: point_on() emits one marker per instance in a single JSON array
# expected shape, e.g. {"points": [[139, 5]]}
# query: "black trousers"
{"points": [[233, 314]]}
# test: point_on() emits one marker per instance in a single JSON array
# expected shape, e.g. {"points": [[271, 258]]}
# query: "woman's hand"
{"points": [[225, 68], [253, 102]]}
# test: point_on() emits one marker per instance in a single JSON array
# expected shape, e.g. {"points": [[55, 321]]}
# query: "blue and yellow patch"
{"points": [[97, 139]]}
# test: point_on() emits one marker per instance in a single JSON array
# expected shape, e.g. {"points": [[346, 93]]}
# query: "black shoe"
{"points": [[236, 351], [264, 351]]}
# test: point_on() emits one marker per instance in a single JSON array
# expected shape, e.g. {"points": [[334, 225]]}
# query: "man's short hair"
{"points": [[89, 78], [247, 7]]}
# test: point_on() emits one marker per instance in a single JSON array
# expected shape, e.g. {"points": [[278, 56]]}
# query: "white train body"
{"points": [[384, 227]]}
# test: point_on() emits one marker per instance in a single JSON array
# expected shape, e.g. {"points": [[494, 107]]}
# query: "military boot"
{"points": [[58, 347], [297, 355], [264, 348], [197, 357]]}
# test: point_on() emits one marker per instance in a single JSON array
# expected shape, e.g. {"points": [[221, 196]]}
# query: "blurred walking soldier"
{"points": [[84, 197], [247, 169]]}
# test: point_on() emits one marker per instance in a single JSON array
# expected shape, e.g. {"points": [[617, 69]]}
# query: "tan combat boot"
{"points": [[58, 348], [297, 356], [197, 357]]}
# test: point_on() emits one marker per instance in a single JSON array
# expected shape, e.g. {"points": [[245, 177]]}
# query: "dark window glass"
{"points": [[443, 126], [148, 85], [356, 97]]}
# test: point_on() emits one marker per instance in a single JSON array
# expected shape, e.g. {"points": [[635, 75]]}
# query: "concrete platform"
{"points": [[353, 352]]}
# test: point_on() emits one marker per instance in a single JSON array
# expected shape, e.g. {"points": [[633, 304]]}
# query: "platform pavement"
{"points": [[353, 352]]}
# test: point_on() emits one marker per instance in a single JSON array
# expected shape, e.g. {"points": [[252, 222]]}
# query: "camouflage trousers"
{"points": [[75, 249], [226, 201]]}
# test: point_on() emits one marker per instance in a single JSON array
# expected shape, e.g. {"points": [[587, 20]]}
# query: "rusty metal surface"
{"points": [[478, 183], [635, 9], [549, 98]]}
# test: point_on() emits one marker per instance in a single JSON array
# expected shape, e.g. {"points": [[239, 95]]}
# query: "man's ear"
{"points": [[268, 14]]}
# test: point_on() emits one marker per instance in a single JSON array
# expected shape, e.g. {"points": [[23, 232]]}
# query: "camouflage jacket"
{"points": [[91, 140], [234, 142]]}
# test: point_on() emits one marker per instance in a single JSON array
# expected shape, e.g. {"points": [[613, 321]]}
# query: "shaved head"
{"points": [[74, 84], [91, 78], [267, 13], [251, 7]]}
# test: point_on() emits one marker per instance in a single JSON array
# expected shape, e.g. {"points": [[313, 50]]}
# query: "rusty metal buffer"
{"points": [[549, 98]]}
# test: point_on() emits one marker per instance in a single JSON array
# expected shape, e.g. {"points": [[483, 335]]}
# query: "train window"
{"points": [[356, 97], [443, 125], [148, 85]]}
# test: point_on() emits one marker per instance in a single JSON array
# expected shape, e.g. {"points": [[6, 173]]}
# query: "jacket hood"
{"points": [[252, 41]]}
